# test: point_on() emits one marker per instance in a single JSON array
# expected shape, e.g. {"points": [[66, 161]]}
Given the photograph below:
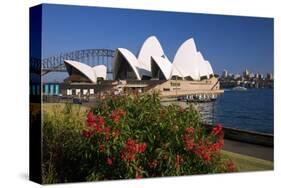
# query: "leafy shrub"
{"points": [[130, 137]]}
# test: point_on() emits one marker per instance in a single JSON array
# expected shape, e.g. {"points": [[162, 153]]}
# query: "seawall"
{"points": [[250, 137]]}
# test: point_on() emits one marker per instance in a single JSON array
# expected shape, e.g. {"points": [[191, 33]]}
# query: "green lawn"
{"points": [[58, 107], [246, 163]]}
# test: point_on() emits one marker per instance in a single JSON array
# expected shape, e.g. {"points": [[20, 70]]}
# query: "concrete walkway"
{"points": [[258, 151]]}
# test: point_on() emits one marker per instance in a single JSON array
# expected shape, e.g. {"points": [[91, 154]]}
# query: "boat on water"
{"points": [[239, 88]]}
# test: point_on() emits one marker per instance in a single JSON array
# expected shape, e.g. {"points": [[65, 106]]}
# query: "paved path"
{"points": [[253, 150]]}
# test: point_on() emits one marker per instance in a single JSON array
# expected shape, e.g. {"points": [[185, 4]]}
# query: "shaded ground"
{"points": [[257, 151]]}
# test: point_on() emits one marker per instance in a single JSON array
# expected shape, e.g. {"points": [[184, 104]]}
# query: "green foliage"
{"points": [[61, 142], [128, 137]]}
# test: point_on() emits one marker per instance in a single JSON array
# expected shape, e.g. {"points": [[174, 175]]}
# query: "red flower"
{"points": [[188, 138], [98, 129], [87, 134], [139, 177], [141, 147], [131, 149], [202, 151], [100, 121], [117, 114], [130, 145], [206, 157], [95, 122], [90, 117], [109, 161], [217, 145], [131, 156], [189, 130], [93, 119], [115, 118], [217, 130]]}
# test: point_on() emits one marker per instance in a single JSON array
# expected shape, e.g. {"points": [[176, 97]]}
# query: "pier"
{"points": [[193, 96]]}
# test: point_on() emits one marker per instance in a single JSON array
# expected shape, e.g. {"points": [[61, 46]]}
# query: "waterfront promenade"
{"points": [[253, 150]]}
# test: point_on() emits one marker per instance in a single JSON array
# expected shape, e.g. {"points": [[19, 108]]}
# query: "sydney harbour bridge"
{"points": [[90, 57]]}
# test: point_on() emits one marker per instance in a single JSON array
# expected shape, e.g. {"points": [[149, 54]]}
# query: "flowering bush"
{"points": [[136, 137]]}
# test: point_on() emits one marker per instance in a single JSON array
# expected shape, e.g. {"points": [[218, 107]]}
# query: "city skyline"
{"points": [[243, 70], [228, 42]]}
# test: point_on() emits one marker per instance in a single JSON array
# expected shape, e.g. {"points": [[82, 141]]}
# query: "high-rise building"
{"points": [[269, 76], [246, 73], [225, 73], [257, 75]]}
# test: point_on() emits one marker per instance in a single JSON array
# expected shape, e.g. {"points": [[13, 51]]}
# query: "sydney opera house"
{"points": [[150, 70], [152, 63]]}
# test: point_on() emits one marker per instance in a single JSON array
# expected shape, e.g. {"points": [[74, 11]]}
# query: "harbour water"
{"points": [[247, 110]]}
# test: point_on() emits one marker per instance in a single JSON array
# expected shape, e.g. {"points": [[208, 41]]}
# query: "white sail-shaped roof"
{"points": [[100, 71], [83, 68], [151, 47], [164, 64], [186, 60], [203, 66], [176, 72], [209, 68], [131, 59]]}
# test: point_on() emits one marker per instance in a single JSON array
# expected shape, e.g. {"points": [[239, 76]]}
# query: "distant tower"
{"points": [[257, 75], [269, 76], [246, 73], [225, 73]]}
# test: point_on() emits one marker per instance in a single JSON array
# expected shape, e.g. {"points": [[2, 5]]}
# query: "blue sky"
{"points": [[228, 42]]}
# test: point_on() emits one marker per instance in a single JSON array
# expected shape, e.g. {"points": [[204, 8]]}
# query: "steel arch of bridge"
{"points": [[91, 57]]}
